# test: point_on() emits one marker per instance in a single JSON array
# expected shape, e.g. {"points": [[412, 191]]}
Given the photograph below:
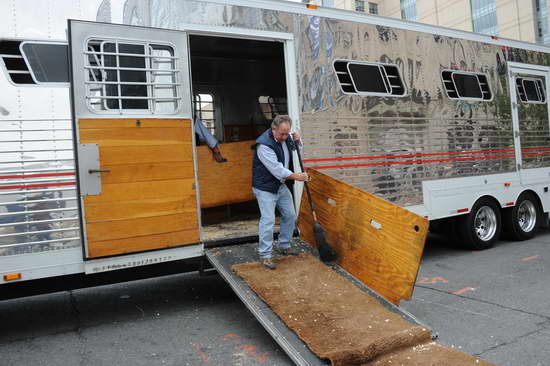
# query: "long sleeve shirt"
{"points": [[269, 159]]}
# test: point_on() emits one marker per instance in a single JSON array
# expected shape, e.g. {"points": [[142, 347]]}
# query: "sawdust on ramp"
{"points": [[340, 322]]}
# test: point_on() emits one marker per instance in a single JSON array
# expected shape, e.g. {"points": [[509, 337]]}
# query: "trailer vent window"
{"points": [[131, 76], [364, 78], [466, 85], [531, 90], [14, 63]]}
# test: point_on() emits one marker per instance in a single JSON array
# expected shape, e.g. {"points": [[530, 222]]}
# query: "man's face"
{"points": [[281, 133]]}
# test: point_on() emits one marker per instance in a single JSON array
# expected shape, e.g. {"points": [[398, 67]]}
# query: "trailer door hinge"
{"points": [[514, 105], [519, 166], [516, 134]]}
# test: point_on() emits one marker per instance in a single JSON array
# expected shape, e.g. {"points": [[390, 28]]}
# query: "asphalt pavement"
{"points": [[493, 304]]}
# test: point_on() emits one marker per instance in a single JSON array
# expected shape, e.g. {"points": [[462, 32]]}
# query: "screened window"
{"points": [[373, 8], [366, 78], [205, 110], [360, 5], [531, 90], [48, 62], [34, 62], [466, 85], [126, 76]]}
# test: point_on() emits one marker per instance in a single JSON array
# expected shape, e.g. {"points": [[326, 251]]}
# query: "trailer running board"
{"points": [[223, 258]]}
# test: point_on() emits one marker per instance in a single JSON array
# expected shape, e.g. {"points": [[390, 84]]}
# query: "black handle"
{"points": [[91, 171]]}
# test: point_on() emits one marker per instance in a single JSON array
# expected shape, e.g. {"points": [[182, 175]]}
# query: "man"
{"points": [[270, 170], [205, 136]]}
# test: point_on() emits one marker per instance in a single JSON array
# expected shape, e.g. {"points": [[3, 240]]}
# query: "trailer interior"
{"points": [[239, 86]]}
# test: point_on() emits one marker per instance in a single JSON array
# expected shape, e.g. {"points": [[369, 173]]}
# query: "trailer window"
{"points": [[131, 76], [466, 85], [48, 62], [204, 110], [531, 90], [35, 62], [367, 78]]}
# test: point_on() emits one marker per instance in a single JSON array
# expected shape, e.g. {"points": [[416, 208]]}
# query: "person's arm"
{"points": [[269, 159]]}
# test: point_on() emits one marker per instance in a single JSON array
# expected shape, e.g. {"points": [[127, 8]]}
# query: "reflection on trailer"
{"points": [[449, 124]]}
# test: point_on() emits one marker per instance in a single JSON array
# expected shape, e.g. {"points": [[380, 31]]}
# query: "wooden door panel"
{"points": [[148, 197]]}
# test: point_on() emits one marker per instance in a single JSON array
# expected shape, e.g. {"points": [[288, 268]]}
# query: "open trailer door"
{"points": [[134, 138]]}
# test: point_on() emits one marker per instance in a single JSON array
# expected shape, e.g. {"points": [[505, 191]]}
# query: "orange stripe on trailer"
{"points": [[509, 203], [36, 175], [311, 6], [23, 186], [462, 210]]}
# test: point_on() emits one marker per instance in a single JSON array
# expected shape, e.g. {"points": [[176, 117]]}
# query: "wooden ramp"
{"points": [[378, 242]]}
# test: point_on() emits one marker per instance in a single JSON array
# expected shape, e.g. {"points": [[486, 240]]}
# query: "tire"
{"points": [[480, 229], [524, 219]]}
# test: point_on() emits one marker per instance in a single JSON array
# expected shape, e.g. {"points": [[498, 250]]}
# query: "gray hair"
{"points": [[280, 119]]}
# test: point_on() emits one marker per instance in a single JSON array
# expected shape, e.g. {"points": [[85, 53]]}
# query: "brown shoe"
{"points": [[287, 251], [269, 263]]}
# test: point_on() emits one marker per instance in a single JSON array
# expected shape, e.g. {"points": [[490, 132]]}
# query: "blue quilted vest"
{"points": [[262, 179]]}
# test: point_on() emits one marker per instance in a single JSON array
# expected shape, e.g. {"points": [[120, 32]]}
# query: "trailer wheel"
{"points": [[480, 229], [523, 220]]}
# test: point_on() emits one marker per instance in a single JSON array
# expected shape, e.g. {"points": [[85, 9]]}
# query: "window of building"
{"points": [[131, 76], [484, 16], [272, 106], [541, 27], [373, 8], [531, 90], [35, 62], [367, 78], [205, 110], [360, 5], [466, 85], [408, 10]]}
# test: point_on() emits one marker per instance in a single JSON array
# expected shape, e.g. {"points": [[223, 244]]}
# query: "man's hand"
{"points": [[296, 136], [302, 177]]}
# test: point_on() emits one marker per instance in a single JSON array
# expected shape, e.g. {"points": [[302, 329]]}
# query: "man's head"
{"points": [[281, 127]]}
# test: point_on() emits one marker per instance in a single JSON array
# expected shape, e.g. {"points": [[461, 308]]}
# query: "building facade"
{"points": [[525, 20]]}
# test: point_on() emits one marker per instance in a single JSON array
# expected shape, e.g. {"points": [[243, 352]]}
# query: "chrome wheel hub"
{"points": [[527, 216], [485, 223]]}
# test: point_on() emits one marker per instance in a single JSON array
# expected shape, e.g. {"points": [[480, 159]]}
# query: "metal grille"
{"points": [[38, 208], [131, 77]]}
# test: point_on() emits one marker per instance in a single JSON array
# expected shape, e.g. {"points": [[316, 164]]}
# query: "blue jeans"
{"points": [[267, 202]]}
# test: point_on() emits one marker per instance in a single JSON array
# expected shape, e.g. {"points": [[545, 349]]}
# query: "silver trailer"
{"points": [[449, 124]]}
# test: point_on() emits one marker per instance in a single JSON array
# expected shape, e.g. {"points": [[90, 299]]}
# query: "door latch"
{"points": [[92, 171]]}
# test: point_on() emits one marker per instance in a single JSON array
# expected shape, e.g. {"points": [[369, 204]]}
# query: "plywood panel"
{"points": [[229, 182], [131, 228], [145, 153], [148, 197], [378, 242], [124, 210], [148, 242], [143, 190], [145, 172], [135, 136], [85, 124]]}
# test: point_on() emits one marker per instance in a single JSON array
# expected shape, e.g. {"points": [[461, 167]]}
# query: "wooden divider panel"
{"points": [[377, 242], [229, 182], [148, 198]]}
